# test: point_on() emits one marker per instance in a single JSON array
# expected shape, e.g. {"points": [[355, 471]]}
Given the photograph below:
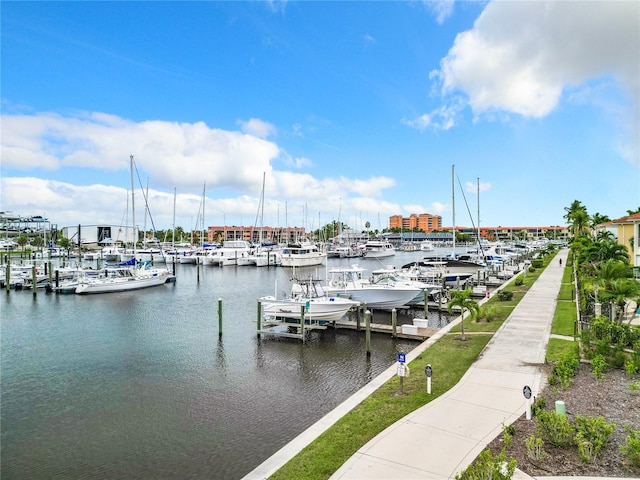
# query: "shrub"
{"points": [[555, 429], [488, 313], [534, 448], [531, 269], [507, 434], [592, 434], [505, 295], [518, 281], [598, 366], [565, 369], [488, 467], [538, 406], [537, 263], [631, 446]]}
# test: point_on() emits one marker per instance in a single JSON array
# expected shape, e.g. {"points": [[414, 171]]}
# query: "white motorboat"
{"points": [[268, 258], [302, 254], [228, 253], [349, 282], [394, 276], [309, 299], [120, 279], [378, 249]]}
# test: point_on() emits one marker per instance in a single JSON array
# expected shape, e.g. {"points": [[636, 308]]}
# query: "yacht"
{"points": [[302, 254]]}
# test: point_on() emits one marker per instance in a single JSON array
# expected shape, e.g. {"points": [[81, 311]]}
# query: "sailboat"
{"points": [[124, 277]]}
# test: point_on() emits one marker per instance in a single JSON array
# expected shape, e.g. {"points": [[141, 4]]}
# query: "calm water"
{"points": [[141, 385]]}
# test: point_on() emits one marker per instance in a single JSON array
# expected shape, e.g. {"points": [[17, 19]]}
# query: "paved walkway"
{"points": [[442, 438]]}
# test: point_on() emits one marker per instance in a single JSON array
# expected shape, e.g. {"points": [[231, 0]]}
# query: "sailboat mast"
{"points": [[453, 207], [173, 237], [204, 196], [478, 187], [133, 210]]}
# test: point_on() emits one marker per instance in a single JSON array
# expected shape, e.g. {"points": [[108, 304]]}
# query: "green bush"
{"points": [[554, 428], [518, 281], [505, 295], [488, 313], [534, 448], [592, 434], [565, 370], [537, 263], [598, 366], [538, 406], [631, 446], [488, 467]]}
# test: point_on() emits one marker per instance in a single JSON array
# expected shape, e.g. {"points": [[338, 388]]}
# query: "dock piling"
{"points": [[220, 317], [367, 320], [393, 323]]}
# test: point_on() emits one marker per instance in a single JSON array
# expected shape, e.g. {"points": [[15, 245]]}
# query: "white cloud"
{"points": [[520, 56], [442, 9], [183, 155], [173, 155], [473, 187], [258, 128], [442, 118]]}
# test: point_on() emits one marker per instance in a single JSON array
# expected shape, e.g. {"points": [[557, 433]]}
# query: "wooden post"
{"points": [[219, 317], [367, 320], [259, 316], [426, 303], [57, 279], [34, 279], [7, 275], [50, 273], [394, 333], [302, 322], [198, 270], [358, 314]]}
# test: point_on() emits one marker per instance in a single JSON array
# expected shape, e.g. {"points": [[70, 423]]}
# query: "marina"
{"points": [[172, 381]]}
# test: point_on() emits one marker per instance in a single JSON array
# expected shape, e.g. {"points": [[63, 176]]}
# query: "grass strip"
{"points": [[449, 358], [557, 348], [564, 319]]}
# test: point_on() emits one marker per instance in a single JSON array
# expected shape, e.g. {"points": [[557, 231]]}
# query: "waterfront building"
{"points": [[424, 221], [255, 235]]}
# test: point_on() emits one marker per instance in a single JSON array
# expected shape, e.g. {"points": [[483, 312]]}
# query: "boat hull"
{"points": [[328, 309], [120, 285]]}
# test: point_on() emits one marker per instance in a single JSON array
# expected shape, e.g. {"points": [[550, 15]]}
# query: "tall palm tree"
{"points": [[463, 300], [577, 218]]}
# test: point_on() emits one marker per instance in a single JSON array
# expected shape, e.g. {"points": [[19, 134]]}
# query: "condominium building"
{"points": [[425, 222]]}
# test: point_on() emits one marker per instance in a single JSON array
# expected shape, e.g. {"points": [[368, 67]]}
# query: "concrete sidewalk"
{"points": [[442, 438]]}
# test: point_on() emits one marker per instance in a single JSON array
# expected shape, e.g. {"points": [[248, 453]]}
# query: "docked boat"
{"points": [[394, 276], [378, 249], [228, 254], [344, 251], [349, 282], [302, 254], [121, 279], [308, 298], [268, 258]]}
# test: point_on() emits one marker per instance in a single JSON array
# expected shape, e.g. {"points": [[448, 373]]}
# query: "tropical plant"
{"points": [[463, 300], [577, 219], [22, 240]]}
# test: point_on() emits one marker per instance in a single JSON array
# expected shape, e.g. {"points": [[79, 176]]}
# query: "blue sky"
{"points": [[351, 110]]}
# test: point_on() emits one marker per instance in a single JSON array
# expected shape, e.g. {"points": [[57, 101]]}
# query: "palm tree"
{"points": [[619, 292], [462, 299], [577, 218], [597, 219]]}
